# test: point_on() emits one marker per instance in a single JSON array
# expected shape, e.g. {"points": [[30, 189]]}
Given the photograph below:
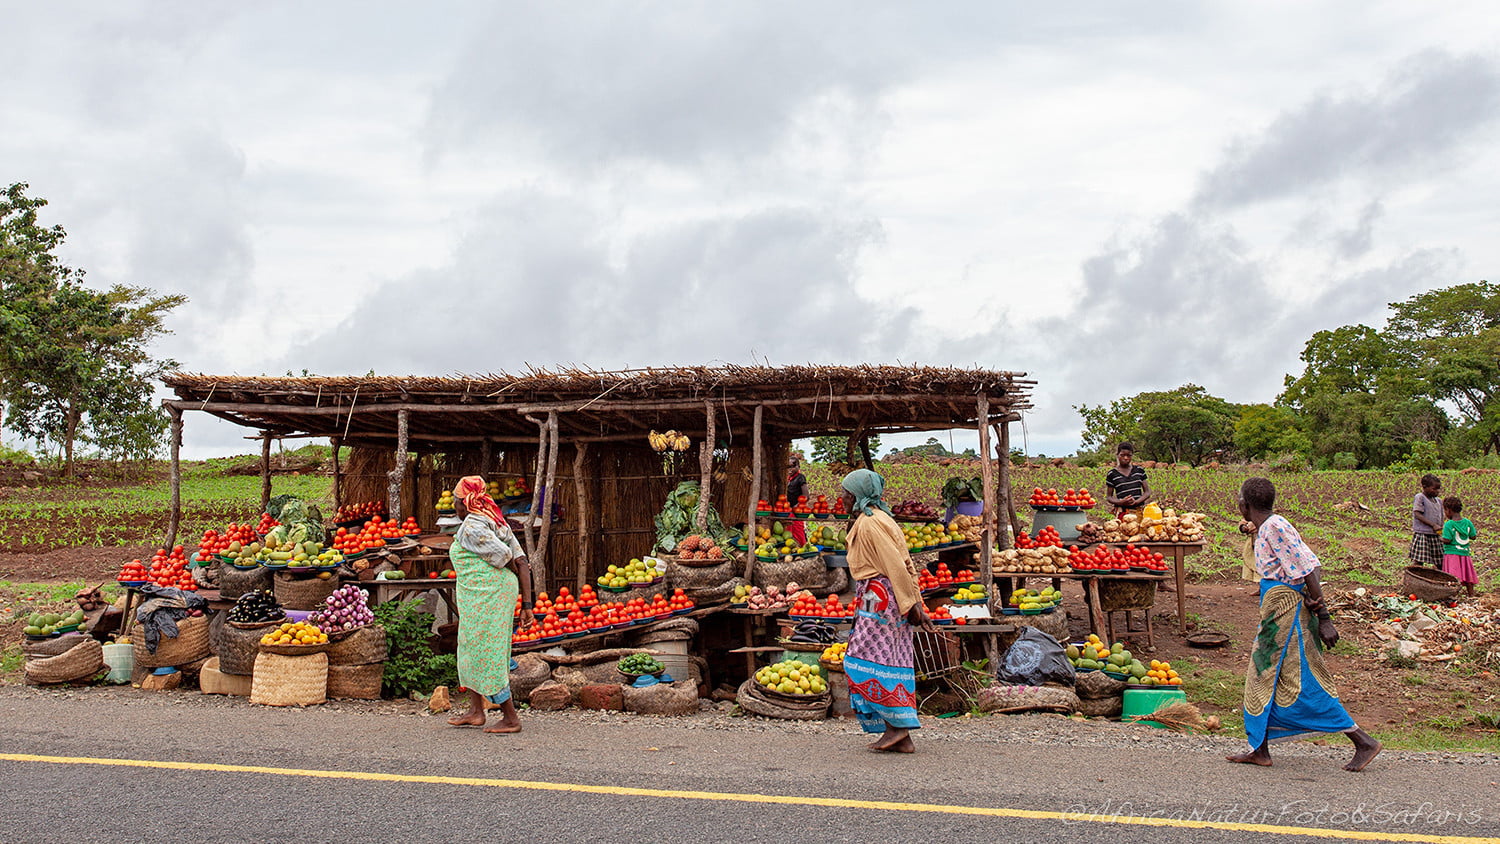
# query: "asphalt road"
{"points": [[70, 769]]}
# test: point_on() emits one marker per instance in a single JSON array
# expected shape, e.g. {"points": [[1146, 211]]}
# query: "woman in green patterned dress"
{"points": [[492, 568]]}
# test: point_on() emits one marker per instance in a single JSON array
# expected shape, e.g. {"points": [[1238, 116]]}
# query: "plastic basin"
{"points": [[1147, 701]]}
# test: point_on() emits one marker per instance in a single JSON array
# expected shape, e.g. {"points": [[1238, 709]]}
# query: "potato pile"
{"points": [[1049, 560], [972, 527], [1171, 527]]}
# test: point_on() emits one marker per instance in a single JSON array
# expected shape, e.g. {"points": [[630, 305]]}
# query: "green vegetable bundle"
{"points": [[678, 518]]}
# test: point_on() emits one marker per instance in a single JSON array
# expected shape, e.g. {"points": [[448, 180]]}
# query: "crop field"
{"points": [[1358, 522]]}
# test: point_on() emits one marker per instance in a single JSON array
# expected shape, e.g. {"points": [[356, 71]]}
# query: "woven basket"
{"points": [[51, 647], [234, 583], [290, 680], [305, 592], [237, 645], [808, 573], [682, 576], [358, 682], [365, 646], [294, 650], [692, 564], [1117, 595], [79, 662], [1429, 585], [752, 699], [190, 645]]}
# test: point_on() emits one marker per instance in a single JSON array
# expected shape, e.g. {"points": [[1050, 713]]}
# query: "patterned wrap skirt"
{"points": [[881, 659], [1288, 690], [486, 598]]}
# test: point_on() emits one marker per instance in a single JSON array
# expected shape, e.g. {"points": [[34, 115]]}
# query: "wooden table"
{"points": [[1090, 583], [1177, 552], [388, 590]]}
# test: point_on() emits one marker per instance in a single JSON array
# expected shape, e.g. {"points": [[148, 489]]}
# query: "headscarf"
{"points": [[476, 498], [867, 487]]}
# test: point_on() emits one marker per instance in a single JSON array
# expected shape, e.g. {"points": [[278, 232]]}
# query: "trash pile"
{"points": [[1425, 632]]}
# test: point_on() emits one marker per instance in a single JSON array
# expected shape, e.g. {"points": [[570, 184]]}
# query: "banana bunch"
{"points": [[670, 441]]}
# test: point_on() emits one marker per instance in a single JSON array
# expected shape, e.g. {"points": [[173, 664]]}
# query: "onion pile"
{"points": [[344, 610]]}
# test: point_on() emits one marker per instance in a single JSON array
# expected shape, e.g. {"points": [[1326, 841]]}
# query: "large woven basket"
{"points": [[237, 645], [80, 662], [693, 575], [809, 573], [1429, 584], [233, 582], [302, 592], [290, 680], [357, 682], [1117, 595], [365, 646], [190, 645], [677, 560], [752, 699], [294, 650]]}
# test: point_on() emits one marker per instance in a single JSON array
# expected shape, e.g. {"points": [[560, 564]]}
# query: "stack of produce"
{"points": [[1079, 500], [1031, 600], [943, 615], [214, 542], [256, 608], [821, 507], [1052, 559], [346, 609], [359, 512], [921, 538], [267, 524], [637, 665], [941, 578], [792, 677], [828, 537], [306, 553], [1047, 537], [1169, 527], [633, 573], [970, 594], [510, 488], [834, 653], [1119, 560], [295, 633], [695, 547], [805, 605], [773, 598], [680, 601], [913, 510], [52, 624], [133, 572], [1159, 674], [1114, 659], [776, 542], [971, 528], [802, 509], [445, 503], [168, 569], [349, 544]]}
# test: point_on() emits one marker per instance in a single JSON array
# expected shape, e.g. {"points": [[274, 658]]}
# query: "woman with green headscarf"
{"points": [[880, 663]]}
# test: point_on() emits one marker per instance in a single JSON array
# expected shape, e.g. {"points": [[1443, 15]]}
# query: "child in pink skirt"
{"points": [[1458, 532]]}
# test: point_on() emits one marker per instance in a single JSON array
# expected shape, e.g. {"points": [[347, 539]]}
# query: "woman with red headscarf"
{"points": [[492, 569]]}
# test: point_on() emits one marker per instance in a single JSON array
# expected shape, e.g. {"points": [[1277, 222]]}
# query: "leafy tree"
{"points": [[74, 361], [1185, 424], [1265, 430], [840, 449], [1451, 339]]}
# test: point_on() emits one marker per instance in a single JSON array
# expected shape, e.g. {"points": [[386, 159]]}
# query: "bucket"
{"points": [[121, 662], [1147, 701], [680, 666], [670, 646]]}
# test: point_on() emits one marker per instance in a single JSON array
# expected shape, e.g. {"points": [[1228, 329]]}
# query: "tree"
{"points": [[1185, 424], [1451, 338], [840, 449], [1265, 430], [74, 361]]}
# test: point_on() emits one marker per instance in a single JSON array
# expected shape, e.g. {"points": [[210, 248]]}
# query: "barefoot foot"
{"points": [[1363, 756], [504, 725], [905, 745], [468, 719], [1253, 757]]}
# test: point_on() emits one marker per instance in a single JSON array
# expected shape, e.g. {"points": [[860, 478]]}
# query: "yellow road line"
{"points": [[785, 799]]}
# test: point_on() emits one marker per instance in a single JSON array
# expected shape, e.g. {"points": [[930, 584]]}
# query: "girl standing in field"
{"points": [[1458, 532]]}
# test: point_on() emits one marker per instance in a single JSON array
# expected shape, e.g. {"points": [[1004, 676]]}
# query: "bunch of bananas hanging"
{"points": [[671, 447]]}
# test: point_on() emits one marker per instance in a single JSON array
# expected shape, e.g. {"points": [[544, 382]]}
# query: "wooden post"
{"points": [[265, 470], [581, 505], [754, 492], [987, 536], [705, 468], [539, 559], [338, 479], [398, 472], [1005, 490], [864, 451], [536, 481], [175, 430], [486, 454]]}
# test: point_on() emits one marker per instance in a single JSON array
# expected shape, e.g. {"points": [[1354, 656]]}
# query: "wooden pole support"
{"points": [[398, 472], [549, 498], [175, 432], [986, 562], [338, 475], [755, 449], [581, 496], [265, 471], [1006, 496], [705, 468]]}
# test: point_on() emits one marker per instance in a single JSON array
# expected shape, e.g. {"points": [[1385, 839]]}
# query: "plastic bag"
{"points": [[1034, 659]]}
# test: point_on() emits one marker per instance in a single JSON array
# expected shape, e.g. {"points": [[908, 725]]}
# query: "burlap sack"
{"points": [[233, 582], [531, 671], [1001, 698], [835, 582], [1104, 707], [680, 698], [81, 661], [700, 577], [809, 573], [717, 594], [1096, 685]]}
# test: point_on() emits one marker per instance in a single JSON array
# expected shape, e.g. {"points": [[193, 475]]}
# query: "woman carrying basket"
{"points": [[489, 562], [880, 662]]}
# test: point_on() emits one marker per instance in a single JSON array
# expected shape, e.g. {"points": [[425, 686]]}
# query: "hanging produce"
{"points": [[671, 446], [676, 520]]}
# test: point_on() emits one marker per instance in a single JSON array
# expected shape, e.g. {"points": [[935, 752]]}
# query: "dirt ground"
{"points": [[64, 565]]}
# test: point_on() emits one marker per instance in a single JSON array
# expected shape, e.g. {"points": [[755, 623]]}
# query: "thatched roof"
{"points": [[798, 401]]}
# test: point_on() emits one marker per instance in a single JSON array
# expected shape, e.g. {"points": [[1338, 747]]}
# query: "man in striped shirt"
{"points": [[1126, 488]]}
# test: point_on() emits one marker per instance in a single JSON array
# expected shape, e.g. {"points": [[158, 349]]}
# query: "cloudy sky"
{"points": [[1113, 197]]}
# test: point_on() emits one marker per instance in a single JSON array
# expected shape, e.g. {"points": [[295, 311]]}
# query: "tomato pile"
{"points": [[590, 616], [807, 605], [942, 615], [942, 577], [168, 569], [360, 512], [1070, 498], [1047, 537], [266, 523], [1117, 559], [214, 542]]}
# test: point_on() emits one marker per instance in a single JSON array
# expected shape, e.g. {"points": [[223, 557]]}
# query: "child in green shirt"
{"points": [[1458, 532]]}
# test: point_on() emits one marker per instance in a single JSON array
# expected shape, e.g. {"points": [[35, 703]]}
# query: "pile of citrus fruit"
{"points": [[295, 633]]}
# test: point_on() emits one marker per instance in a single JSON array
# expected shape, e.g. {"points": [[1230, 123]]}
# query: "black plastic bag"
{"points": [[1034, 659]]}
